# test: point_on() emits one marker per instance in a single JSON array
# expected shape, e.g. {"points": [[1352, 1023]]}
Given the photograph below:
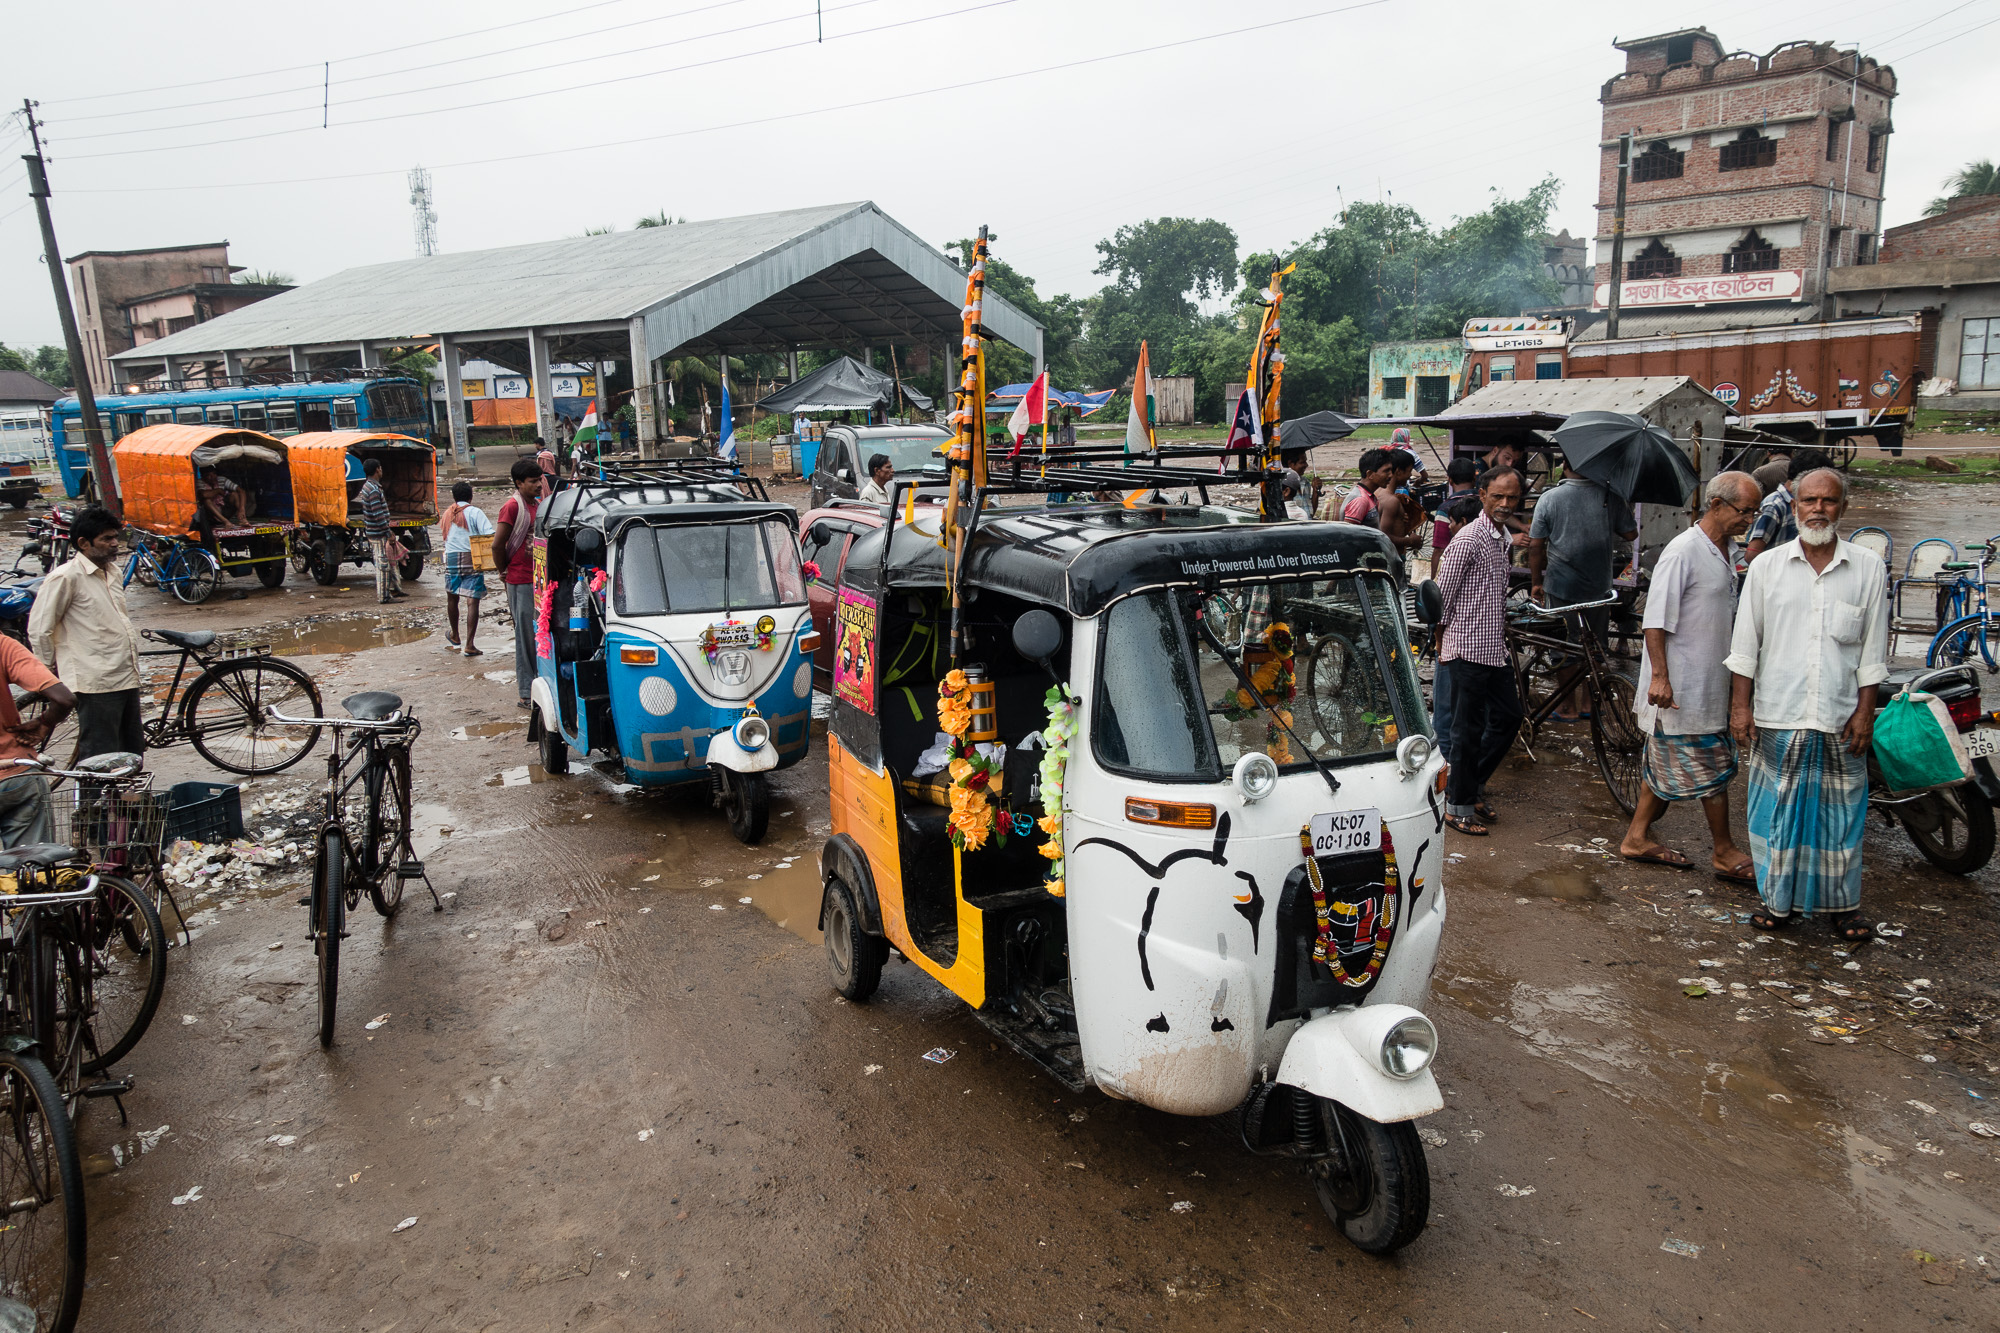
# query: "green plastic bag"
{"points": [[1917, 745]]}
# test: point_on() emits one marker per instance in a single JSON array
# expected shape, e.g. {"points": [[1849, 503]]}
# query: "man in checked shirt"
{"points": [[375, 527], [1472, 575]]}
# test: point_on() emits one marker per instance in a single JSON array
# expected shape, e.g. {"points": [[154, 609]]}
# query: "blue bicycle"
{"points": [[188, 572], [1967, 625]]}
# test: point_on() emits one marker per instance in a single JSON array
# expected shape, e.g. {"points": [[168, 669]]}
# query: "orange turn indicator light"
{"points": [[635, 656], [809, 641], [1169, 814]]}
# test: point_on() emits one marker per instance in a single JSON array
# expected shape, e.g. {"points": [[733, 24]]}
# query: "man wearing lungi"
{"points": [[1809, 649], [1683, 685]]}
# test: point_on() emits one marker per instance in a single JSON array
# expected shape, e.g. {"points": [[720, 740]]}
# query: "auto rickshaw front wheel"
{"points": [[1377, 1188], [853, 956], [746, 799]]}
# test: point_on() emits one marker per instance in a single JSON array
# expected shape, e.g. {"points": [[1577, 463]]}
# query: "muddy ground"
{"points": [[612, 1086]]}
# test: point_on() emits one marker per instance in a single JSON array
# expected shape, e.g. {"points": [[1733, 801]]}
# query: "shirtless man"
{"points": [[1401, 516], [224, 500]]}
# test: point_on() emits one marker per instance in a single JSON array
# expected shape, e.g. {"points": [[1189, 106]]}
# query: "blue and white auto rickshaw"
{"points": [[672, 633]]}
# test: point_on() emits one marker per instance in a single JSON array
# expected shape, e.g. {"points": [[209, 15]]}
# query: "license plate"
{"points": [[731, 636], [1346, 831], [1983, 743]]}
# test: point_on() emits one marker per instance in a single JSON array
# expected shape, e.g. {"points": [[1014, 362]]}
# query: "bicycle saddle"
{"points": [[372, 705], [35, 854], [198, 638], [112, 761]]}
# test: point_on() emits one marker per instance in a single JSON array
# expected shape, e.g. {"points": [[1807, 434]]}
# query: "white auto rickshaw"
{"points": [[1172, 826]]}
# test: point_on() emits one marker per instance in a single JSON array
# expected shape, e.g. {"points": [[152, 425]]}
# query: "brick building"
{"points": [[1752, 177], [126, 297], [1945, 269]]}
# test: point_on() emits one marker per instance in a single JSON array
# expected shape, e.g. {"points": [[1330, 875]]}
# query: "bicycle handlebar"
{"points": [[78, 774], [1551, 612]]}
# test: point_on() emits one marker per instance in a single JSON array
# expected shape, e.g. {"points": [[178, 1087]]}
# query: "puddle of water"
{"points": [[347, 634], [1567, 883], [790, 897], [519, 776], [483, 730], [124, 1152]]}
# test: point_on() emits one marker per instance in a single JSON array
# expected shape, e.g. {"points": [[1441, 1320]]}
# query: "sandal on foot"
{"points": [[1764, 921], [475, 652], [1471, 828], [1666, 856], [1486, 812], [1850, 927], [1748, 875]]}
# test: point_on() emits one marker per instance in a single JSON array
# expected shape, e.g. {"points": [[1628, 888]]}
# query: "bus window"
{"points": [[344, 415], [250, 416], [222, 414], [188, 416], [127, 422], [394, 403], [284, 418], [158, 416]]}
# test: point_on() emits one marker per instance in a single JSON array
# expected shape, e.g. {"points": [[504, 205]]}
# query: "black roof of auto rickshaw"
{"points": [[1084, 557], [610, 508]]}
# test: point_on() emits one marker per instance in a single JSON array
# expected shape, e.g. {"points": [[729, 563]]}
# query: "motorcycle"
{"points": [[1952, 826]]}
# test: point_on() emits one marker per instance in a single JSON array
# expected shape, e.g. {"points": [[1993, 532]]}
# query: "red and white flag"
{"points": [[1032, 411]]}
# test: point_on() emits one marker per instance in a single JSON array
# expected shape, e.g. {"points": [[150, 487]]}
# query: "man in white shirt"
{"points": [[80, 629], [1683, 685], [1809, 650], [881, 474]]}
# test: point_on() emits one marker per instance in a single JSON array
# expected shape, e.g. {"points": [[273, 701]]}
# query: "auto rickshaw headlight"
{"points": [[1407, 1050], [1256, 776], [752, 732], [1412, 753]]}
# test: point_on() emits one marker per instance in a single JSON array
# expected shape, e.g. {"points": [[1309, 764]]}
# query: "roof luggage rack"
{"points": [[1073, 468], [680, 472]]}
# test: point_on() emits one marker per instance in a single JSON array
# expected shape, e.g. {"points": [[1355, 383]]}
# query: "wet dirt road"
{"points": [[616, 1095]]}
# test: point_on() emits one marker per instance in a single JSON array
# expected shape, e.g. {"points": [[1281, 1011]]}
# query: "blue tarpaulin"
{"points": [[1007, 397]]}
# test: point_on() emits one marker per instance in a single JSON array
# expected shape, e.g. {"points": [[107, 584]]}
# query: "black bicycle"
{"points": [[364, 838], [1550, 668], [223, 706]]}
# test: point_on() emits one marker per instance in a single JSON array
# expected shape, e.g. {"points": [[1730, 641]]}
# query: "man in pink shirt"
{"points": [[1377, 469]]}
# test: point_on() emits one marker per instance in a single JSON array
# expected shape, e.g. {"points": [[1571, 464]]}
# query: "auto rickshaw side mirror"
{"points": [[1037, 636], [1430, 602], [588, 545]]}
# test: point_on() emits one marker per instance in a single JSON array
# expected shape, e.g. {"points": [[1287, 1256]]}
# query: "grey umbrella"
{"points": [[1637, 460]]}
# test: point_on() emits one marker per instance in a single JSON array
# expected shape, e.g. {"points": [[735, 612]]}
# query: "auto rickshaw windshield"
{"points": [[1327, 656], [707, 567]]}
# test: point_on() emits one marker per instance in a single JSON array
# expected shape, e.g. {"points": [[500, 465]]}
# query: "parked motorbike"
{"points": [[17, 599], [1951, 826]]}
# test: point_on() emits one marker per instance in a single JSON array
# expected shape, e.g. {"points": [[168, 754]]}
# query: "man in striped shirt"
{"points": [[1472, 575], [375, 527]]}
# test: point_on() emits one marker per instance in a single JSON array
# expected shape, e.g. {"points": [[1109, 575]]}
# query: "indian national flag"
{"points": [[587, 432], [1139, 422]]}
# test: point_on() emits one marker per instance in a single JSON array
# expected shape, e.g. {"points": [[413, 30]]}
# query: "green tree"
{"points": [[1160, 271], [45, 363], [420, 366], [1064, 348], [1978, 178], [659, 219], [270, 277]]}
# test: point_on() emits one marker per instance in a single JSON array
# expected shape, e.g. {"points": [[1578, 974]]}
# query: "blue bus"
{"points": [[394, 404]]}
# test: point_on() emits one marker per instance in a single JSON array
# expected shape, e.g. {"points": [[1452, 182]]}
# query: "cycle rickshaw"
{"points": [[327, 478], [159, 471]]}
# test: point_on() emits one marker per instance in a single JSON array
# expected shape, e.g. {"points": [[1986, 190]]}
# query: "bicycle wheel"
{"points": [[329, 922], [1959, 642], [190, 573], [388, 786], [227, 714], [1340, 695], [1615, 736], [42, 1240], [128, 970]]}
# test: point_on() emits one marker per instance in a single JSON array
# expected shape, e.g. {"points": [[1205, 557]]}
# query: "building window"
{"points": [[1655, 261], [1979, 355], [1832, 140], [1680, 51], [1500, 368], [1750, 149], [1864, 248], [1658, 163], [1395, 386], [214, 275], [1549, 366], [1875, 150], [1752, 254]]}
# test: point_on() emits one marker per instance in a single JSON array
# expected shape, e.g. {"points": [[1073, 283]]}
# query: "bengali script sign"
{"points": [[1776, 285]]}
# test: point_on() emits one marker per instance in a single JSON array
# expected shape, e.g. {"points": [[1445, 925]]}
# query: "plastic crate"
{"points": [[204, 812]]}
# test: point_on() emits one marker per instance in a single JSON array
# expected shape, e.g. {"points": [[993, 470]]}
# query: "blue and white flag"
{"points": [[726, 446]]}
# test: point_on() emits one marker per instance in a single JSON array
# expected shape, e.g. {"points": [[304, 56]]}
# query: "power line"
{"points": [[774, 118], [547, 92], [366, 55], [407, 69]]}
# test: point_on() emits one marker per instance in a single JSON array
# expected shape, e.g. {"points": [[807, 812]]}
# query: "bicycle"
{"points": [[377, 855], [1548, 670], [190, 573], [1965, 623], [225, 709]]}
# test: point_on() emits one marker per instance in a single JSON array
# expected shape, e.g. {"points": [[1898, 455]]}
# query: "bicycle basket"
{"points": [[120, 825]]}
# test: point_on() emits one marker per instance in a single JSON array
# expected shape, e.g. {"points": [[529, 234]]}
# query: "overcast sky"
{"points": [[540, 119]]}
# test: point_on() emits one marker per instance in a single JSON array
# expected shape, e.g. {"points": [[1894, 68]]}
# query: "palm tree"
{"points": [[1978, 178], [659, 219], [253, 277]]}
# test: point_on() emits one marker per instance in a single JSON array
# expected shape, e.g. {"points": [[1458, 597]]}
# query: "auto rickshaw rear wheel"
{"points": [[1377, 1190], [853, 956], [555, 750], [746, 799]]}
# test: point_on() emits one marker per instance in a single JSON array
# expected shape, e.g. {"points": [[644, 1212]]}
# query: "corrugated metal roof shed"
{"points": [[1562, 397], [836, 275]]}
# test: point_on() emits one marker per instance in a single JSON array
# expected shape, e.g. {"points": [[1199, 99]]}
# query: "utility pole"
{"points": [[1618, 235], [93, 429]]}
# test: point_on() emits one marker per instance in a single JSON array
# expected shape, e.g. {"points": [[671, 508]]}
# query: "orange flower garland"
{"points": [[972, 813]]}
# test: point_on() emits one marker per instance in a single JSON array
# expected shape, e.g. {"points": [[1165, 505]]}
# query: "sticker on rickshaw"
{"points": [[1346, 831], [268, 530], [854, 654]]}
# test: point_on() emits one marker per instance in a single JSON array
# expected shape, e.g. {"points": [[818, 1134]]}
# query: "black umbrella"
{"points": [[1309, 432], [1637, 460]]}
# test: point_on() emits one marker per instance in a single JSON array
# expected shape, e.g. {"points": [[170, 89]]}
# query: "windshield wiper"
{"points": [[1257, 700]]}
